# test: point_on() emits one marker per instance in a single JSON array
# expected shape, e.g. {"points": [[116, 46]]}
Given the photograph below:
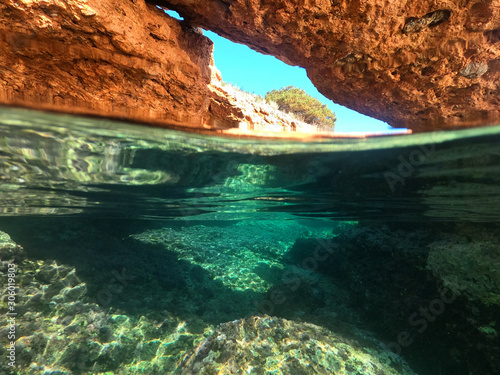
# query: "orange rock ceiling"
{"points": [[421, 65]]}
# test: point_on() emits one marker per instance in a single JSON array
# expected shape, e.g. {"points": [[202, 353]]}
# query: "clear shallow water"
{"points": [[54, 164], [148, 251]]}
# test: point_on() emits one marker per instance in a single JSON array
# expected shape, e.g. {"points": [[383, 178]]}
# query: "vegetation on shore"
{"points": [[297, 101]]}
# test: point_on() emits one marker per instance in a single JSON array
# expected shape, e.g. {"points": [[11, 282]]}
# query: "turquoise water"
{"points": [[140, 250]]}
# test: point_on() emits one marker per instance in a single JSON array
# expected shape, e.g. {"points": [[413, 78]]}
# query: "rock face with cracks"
{"points": [[124, 59], [422, 65], [115, 58]]}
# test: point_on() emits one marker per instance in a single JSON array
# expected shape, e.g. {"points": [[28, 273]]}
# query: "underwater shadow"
{"points": [[382, 276], [126, 275]]}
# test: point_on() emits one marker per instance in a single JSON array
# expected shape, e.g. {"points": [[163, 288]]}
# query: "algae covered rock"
{"points": [[270, 345], [10, 252], [468, 268]]}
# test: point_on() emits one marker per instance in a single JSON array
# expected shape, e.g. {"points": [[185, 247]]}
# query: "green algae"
{"points": [[269, 345], [243, 256], [469, 268]]}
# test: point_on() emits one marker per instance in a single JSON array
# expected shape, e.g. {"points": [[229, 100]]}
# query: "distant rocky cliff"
{"points": [[421, 65]]}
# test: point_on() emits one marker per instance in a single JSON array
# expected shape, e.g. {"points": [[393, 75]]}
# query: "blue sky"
{"points": [[257, 73]]}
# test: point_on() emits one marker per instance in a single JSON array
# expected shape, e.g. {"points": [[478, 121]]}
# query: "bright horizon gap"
{"points": [[258, 74]]}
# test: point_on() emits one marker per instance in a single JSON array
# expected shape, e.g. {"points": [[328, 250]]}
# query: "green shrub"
{"points": [[297, 101]]}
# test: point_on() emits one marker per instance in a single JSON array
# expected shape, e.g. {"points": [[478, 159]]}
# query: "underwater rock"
{"points": [[60, 330], [470, 268], [10, 252], [376, 279], [419, 288], [370, 55], [267, 344], [252, 267]]}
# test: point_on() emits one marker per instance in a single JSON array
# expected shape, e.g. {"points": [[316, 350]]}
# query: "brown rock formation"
{"points": [[113, 58], [420, 65], [417, 64], [123, 59]]}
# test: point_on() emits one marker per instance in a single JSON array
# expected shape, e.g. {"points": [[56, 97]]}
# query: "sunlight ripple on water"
{"points": [[59, 164]]}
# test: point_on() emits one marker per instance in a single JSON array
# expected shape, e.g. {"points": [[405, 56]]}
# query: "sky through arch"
{"points": [[257, 73]]}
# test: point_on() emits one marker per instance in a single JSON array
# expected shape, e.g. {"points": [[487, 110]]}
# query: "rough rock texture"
{"points": [[418, 65], [114, 58], [114, 307], [124, 59], [468, 268], [431, 64], [62, 331], [435, 285], [266, 345]]}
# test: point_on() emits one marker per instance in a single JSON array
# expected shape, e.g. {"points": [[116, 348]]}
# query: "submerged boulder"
{"points": [[469, 268], [264, 345]]}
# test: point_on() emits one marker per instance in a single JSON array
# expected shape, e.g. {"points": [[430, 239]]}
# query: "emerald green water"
{"points": [[139, 250]]}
